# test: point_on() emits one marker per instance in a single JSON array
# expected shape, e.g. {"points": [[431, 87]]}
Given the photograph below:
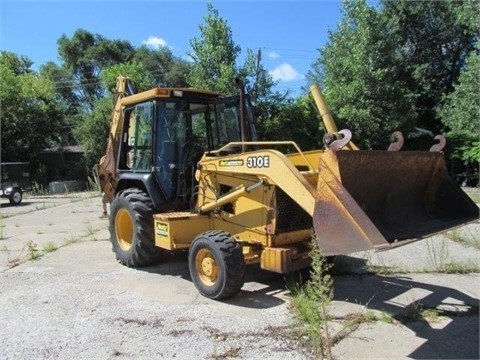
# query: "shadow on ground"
{"points": [[262, 288], [453, 336]]}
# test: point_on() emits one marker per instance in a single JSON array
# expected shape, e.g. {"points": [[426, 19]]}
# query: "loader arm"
{"points": [[105, 172], [273, 163], [326, 115]]}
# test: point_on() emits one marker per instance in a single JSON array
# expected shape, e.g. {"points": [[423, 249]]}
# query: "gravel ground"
{"points": [[76, 304]]}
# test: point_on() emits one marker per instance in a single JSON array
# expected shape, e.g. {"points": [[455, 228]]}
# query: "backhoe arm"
{"points": [[105, 172]]}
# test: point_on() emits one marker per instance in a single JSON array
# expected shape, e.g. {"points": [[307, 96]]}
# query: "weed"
{"points": [[387, 270], [355, 319], [312, 300], [49, 247], [386, 318], [454, 268], [437, 253], [464, 236], [33, 252], [431, 313], [71, 240], [38, 189], [11, 263], [417, 311], [90, 230]]}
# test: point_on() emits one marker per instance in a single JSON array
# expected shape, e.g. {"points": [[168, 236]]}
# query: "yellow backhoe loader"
{"points": [[184, 171]]}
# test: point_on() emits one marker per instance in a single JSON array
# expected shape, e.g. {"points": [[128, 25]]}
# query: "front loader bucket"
{"points": [[377, 199]]}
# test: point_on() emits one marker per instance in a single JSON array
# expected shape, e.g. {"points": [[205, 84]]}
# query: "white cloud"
{"points": [[155, 42], [273, 55], [285, 72]]}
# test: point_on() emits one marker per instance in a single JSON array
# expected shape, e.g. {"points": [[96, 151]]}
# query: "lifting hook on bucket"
{"points": [[398, 144], [335, 142], [440, 145]]}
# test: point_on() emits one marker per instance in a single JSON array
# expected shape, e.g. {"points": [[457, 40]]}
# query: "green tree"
{"points": [[215, 68], [433, 39], [291, 122], [214, 55], [358, 71], [461, 109], [85, 55], [92, 131], [31, 118], [64, 89], [267, 103], [165, 69]]}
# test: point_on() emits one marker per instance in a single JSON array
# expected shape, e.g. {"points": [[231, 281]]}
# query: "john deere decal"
{"points": [[231, 163]]}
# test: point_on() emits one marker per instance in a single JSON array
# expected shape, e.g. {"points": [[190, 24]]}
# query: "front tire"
{"points": [[131, 229], [15, 197], [216, 265]]}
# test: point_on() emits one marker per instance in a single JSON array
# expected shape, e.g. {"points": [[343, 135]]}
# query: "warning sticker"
{"points": [[162, 229]]}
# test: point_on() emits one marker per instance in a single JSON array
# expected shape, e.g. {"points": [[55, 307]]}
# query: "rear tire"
{"points": [[15, 197], [216, 265], [131, 229]]}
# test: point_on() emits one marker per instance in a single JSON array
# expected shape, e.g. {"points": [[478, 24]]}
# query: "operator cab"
{"points": [[166, 135]]}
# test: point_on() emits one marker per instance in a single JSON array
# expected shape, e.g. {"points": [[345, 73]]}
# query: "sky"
{"points": [[288, 33]]}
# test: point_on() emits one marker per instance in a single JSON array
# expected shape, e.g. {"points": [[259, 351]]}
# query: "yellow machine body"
{"points": [[250, 199]]}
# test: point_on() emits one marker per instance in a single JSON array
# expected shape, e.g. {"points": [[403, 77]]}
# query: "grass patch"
{"points": [[418, 312], [90, 230], [464, 236], [454, 268], [445, 268], [386, 318], [71, 240], [49, 247], [387, 270]]}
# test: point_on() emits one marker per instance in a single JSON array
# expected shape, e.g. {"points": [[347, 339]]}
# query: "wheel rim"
{"points": [[206, 266], [124, 229]]}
